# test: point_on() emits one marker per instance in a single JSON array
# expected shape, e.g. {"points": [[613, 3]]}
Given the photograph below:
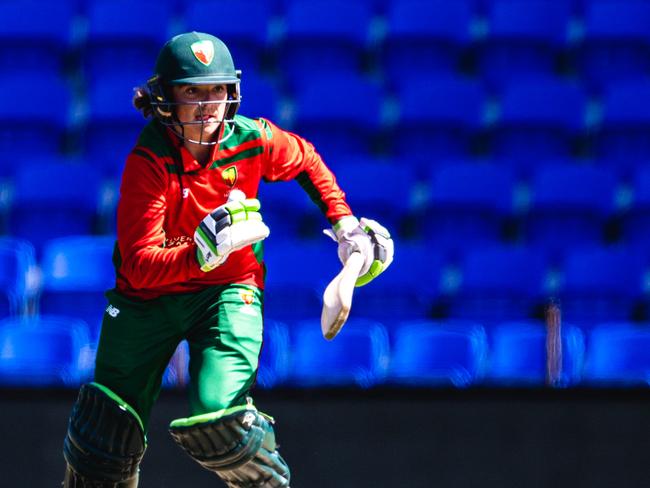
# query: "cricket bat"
{"points": [[337, 298]]}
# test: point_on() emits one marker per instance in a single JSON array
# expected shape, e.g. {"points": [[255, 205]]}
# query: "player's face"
{"points": [[211, 114]]}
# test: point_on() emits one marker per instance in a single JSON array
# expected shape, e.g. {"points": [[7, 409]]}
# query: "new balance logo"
{"points": [[112, 311]]}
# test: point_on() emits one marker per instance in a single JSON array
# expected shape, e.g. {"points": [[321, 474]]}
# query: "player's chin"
{"points": [[210, 125]]}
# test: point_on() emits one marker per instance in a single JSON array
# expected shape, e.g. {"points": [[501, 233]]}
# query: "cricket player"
{"points": [[188, 260]]}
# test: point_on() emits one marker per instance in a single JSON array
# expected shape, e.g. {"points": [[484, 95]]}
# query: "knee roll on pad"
{"points": [[238, 444], [105, 441]]}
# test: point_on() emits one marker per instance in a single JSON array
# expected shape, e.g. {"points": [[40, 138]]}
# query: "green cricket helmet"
{"points": [[193, 58]]}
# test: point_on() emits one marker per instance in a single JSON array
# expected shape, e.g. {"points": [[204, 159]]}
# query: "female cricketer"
{"points": [[188, 265]]}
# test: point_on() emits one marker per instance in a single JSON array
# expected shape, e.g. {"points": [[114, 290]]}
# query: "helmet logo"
{"points": [[203, 51], [229, 175]]}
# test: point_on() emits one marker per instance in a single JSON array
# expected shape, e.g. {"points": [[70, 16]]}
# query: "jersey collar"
{"points": [[189, 162]]}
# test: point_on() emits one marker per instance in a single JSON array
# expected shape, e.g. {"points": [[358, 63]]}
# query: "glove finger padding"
{"points": [[242, 234], [383, 250], [230, 227]]}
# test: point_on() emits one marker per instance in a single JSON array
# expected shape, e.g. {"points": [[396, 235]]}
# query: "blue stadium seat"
{"points": [[43, 351], [297, 273], [601, 284], [407, 290], [260, 98], [569, 206], [424, 38], [618, 354], [77, 271], [246, 41], [38, 122], [113, 125], [53, 200], [277, 197], [324, 37], [440, 118], [124, 37], [34, 38], [274, 359], [450, 353], [518, 354], [177, 372], [340, 114], [623, 137], [499, 282], [636, 221], [17, 276], [524, 39], [358, 356], [377, 190], [616, 42], [540, 118], [469, 203]]}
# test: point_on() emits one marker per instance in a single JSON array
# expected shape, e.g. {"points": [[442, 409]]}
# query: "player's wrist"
{"points": [[345, 225]]}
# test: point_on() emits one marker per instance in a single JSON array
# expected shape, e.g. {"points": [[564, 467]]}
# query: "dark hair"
{"points": [[142, 101]]}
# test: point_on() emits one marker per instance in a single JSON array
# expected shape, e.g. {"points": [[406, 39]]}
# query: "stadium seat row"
{"points": [[54, 351], [520, 36], [489, 283], [428, 120], [458, 204]]}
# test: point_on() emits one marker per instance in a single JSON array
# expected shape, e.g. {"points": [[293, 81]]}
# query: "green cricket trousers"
{"points": [[223, 327]]}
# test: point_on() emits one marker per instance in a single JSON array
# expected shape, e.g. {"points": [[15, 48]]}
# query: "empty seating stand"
{"points": [[448, 353], [425, 38], [43, 351], [525, 38], [518, 355], [618, 354], [357, 357], [76, 272]]}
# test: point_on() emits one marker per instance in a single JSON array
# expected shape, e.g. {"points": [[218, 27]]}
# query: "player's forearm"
{"points": [[320, 184]]}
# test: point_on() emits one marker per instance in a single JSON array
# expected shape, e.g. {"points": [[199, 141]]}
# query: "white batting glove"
{"points": [[367, 237], [230, 227]]}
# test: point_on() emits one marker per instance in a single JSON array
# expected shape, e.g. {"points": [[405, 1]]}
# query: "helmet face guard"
{"points": [[194, 58], [164, 108]]}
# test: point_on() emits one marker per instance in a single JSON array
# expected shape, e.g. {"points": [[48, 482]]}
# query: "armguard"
{"points": [[105, 441], [238, 444]]}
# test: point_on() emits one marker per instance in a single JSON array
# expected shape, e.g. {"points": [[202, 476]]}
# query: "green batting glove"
{"points": [[230, 227]]}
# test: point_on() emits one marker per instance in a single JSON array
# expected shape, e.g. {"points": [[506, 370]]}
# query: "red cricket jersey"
{"points": [[165, 193]]}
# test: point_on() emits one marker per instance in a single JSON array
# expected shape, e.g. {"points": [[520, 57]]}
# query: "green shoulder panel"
{"points": [[267, 128], [245, 130], [153, 138]]}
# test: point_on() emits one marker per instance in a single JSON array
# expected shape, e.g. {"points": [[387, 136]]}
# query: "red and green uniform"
{"points": [[165, 193], [162, 296]]}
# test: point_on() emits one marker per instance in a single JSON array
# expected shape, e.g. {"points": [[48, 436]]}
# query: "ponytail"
{"points": [[142, 102]]}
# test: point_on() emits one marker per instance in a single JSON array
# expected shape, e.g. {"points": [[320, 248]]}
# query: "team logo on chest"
{"points": [[229, 175], [203, 51]]}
